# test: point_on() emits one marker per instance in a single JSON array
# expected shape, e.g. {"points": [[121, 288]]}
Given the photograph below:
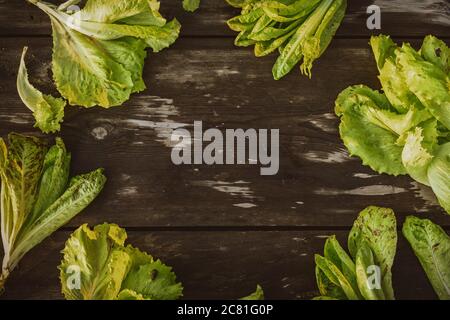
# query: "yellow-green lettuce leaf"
{"points": [[48, 111], [439, 175]]}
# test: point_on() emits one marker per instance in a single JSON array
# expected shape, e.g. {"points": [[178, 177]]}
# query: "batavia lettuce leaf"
{"points": [[404, 129], [301, 30], [365, 274], [37, 196], [99, 50], [97, 265], [432, 246]]}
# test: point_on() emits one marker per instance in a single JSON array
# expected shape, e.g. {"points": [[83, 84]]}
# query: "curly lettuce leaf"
{"points": [[377, 228], [432, 247], [437, 52], [99, 51], [191, 5], [365, 131], [418, 151], [48, 111], [151, 279], [428, 82], [106, 269], [392, 79]]}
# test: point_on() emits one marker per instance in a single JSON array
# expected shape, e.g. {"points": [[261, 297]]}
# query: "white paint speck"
{"points": [[99, 133]]}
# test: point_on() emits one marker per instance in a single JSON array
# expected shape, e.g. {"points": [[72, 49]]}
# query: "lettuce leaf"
{"points": [[105, 269], [405, 129], [191, 5], [47, 110], [99, 51], [428, 82], [371, 242], [257, 295], [365, 132], [432, 246], [299, 29], [439, 175], [376, 228], [36, 195]]}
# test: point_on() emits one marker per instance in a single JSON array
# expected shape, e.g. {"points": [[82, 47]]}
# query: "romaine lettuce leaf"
{"points": [[439, 175], [47, 110], [377, 228], [372, 242], [36, 198], [432, 246], [299, 29]]}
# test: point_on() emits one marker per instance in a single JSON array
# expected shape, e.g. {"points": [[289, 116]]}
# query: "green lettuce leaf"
{"points": [[432, 246], [392, 79], [98, 266], [365, 129], [299, 29], [47, 110], [418, 152], [257, 295], [364, 259], [436, 51], [366, 275], [439, 175], [428, 82], [99, 51], [315, 46], [36, 198], [191, 5], [406, 129], [336, 277], [377, 228]]}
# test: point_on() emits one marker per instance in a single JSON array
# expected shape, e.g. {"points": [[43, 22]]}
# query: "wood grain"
{"points": [[222, 265], [317, 185], [225, 228], [399, 17]]}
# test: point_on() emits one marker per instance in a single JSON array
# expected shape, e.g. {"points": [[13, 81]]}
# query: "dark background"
{"points": [[225, 228]]}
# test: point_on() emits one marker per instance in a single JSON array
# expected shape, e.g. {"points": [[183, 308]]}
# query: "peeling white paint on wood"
{"points": [[375, 190], [237, 188], [340, 156]]}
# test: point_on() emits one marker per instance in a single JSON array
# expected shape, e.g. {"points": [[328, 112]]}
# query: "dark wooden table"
{"points": [[198, 218]]}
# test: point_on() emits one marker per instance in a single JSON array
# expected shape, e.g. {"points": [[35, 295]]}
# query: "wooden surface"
{"points": [[225, 228]]}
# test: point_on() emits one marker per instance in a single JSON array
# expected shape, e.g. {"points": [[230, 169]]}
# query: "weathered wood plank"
{"points": [[222, 265], [209, 80], [399, 18]]}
